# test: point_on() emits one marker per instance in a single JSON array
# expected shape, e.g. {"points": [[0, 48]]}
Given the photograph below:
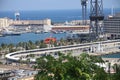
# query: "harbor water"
{"points": [[30, 36], [114, 55]]}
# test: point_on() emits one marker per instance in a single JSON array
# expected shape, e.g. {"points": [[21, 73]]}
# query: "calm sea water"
{"points": [[30, 36], [54, 15]]}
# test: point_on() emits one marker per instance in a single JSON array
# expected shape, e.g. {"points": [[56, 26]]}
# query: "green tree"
{"points": [[67, 67], [116, 75]]}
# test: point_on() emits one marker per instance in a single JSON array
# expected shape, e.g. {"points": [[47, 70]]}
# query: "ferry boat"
{"points": [[1, 35], [9, 33]]}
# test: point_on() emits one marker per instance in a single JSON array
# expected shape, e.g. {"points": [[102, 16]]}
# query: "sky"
{"points": [[12, 5]]}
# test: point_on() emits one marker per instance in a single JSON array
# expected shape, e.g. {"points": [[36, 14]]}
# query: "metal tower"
{"points": [[96, 15], [84, 11]]}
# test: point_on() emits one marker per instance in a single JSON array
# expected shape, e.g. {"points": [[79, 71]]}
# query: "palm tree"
{"points": [[62, 42], [20, 61], [4, 45], [28, 62], [42, 44], [30, 42], [19, 44], [32, 55], [109, 66], [37, 43], [11, 46]]}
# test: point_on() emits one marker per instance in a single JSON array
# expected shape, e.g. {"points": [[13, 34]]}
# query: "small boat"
{"points": [[53, 31], [39, 32]]}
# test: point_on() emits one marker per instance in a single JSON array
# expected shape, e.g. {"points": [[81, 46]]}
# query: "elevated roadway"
{"points": [[88, 47]]}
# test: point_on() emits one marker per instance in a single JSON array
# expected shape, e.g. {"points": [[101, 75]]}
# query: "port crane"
{"points": [[96, 15]]}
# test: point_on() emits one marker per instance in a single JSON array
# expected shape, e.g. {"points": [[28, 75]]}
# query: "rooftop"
{"points": [[117, 15]]}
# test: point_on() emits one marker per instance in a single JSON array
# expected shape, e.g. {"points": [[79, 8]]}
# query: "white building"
{"points": [[4, 22], [47, 28]]}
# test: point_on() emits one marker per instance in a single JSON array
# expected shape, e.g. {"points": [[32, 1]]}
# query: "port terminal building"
{"points": [[76, 28], [112, 26], [74, 25]]}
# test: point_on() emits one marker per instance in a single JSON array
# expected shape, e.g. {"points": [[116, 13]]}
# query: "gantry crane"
{"points": [[96, 15], [84, 11]]}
